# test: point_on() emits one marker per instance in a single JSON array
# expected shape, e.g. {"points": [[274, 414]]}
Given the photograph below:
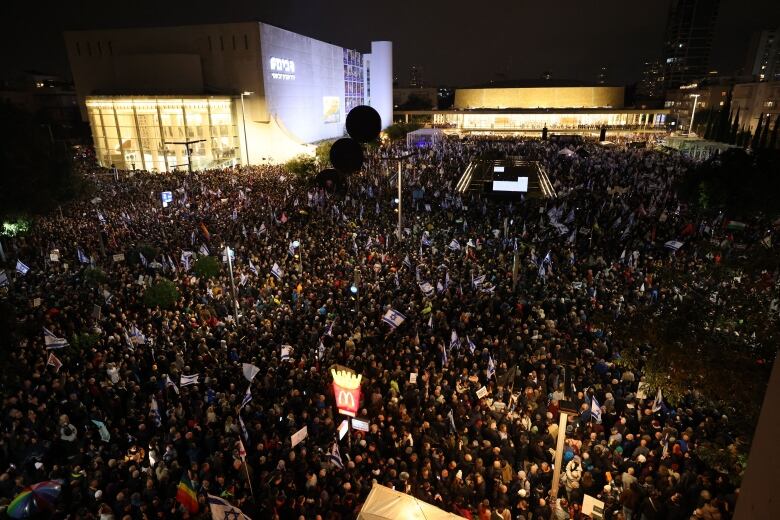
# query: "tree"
{"points": [[302, 165], [398, 131], [734, 128], [163, 294], [36, 174], [322, 153], [207, 267], [774, 142], [754, 144], [723, 120]]}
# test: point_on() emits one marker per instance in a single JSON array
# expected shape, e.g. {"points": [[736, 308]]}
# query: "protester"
{"points": [[149, 406]]}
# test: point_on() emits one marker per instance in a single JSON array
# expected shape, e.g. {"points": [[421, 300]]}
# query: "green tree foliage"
{"points": [[207, 267], [36, 174], [94, 276], [398, 131], [322, 153], [302, 165], [736, 181], [163, 293]]}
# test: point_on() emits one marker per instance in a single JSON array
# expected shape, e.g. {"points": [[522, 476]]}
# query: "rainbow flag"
{"points": [[185, 494]]}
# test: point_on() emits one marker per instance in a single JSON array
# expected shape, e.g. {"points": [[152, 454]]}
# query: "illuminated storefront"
{"points": [[554, 121], [141, 132]]}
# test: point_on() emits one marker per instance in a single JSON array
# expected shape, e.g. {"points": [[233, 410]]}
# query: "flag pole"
{"points": [[249, 479]]}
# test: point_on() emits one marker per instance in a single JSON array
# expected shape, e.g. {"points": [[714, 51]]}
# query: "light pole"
{"points": [[228, 252], [400, 193], [693, 111], [243, 120]]}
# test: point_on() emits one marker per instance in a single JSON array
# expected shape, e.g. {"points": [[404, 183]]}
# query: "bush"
{"points": [[94, 276], [84, 341], [398, 131], [207, 267], [322, 153], [149, 252], [302, 166], [162, 293]]}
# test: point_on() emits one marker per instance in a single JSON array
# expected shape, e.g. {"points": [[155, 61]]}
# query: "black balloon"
{"points": [[364, 123], [346, 155]]}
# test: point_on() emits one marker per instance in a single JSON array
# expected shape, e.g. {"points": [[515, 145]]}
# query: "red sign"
{"points": [[347, 399]]}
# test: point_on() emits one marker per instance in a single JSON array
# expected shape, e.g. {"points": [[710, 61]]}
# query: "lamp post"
{"points": [[693, 111], [243, 120], [400, 194], [566, 409]]}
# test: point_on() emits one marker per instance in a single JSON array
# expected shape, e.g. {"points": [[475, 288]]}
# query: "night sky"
{"points": [[516, 38]]}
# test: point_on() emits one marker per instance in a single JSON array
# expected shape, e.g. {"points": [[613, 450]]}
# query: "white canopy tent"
{"points": [[384, 503], [566, 152], [424, 137]]}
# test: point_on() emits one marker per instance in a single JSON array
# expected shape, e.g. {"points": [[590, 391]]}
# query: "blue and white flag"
{"points": [[252, 267], [658, 402], [335, 456], [393, 318], [3, 279], [222, 510], [276, 271], [136, 337], [154, 412], [21, 268], [189, 380], [478, 281], [243, 428], [472, 346], [439, 287], [53, 341], [185, 259], [142, 258], [204, 250], [491, 370], [105, 436], [247, 396], [84, 259], [454, 245], [454, 340], [426, 288], [595, 409], [262, 229], [291, 249], [447, 280], [674, 245], [249, 370], [426, 241], [286, 352], [171, 384], [329, 331], [408, 263]]}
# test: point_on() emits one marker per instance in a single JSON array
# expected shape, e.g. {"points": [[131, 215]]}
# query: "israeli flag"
{"points": [[335, 456], [252, 267], [142, 258], [247, 397], [154, 411], [21, 268], [472, 346], [84, 259], [221, 509], [674, 245], [286, 351], [276, 271], [454, 340], [478, 281], [243, 428], [426, 241], [3, 279], [204, 250], [136, 337], [595, 409], [658, 402], [53, 341], [439, 287], [454, 245], [426, 288], [185, 259], [169, 383], [393, 318], [188, 380], [291, 249], [408, 262], [491, 371], [262, 229]]}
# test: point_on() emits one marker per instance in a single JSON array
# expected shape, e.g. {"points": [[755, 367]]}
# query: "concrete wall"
{"points": [[540, 97], [754, 99], [381, 63]]}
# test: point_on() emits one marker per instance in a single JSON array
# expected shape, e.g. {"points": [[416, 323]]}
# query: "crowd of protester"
{"points": [[596, 248]]}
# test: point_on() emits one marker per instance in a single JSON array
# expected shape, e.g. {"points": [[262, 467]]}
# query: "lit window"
{"points": [[721, 103]]}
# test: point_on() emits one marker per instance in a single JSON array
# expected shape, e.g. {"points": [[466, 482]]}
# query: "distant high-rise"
{"points": [[763, 59], [601, 77], [416, 76], [651, 85], [688, 41]]}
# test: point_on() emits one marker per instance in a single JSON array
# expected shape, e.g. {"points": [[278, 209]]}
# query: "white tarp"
{"points": [[566, 152], [384, 503], [424, 137]]}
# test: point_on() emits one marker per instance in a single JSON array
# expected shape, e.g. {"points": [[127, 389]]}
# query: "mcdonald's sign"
{"points": [[346, 390]]}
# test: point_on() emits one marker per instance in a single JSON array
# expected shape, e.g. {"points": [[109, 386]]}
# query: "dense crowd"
{"points": [[597, 247]]}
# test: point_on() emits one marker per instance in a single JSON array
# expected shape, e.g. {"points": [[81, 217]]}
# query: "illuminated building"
{"points": [[529, 108], [238, 92], [763, 58], [689, 30]]}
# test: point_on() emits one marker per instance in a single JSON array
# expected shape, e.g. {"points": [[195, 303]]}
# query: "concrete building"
{"points": [[529, 107], [688, 41], [754, 100], [763, 57], [709, 95], [238, 93], [651, 84]]}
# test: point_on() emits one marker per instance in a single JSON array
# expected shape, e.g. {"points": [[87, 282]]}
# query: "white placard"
{"points": [[54, 257], [360, 425], [641, 391], [413, 377], [482, 392], [37, 302], [298, 436], [343, 428], [592, 507], [118, 258]]}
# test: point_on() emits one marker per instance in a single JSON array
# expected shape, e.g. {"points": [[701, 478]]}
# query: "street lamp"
{"points": [[693, 112], [243, 120], [400, 194]]}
